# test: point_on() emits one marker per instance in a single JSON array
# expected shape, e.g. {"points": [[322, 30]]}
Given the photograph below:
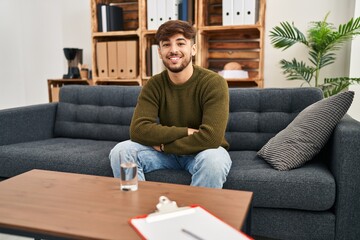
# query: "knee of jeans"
{"points": [[217, 160], [121, 146]]}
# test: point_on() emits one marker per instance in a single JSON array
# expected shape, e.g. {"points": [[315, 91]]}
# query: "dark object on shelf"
{"points": [[74, 58], [109, 17], [116, 21]]}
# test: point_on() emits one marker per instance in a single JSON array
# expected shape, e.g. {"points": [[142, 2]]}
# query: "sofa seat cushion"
{"points": [[57, 154], [311, 187]]}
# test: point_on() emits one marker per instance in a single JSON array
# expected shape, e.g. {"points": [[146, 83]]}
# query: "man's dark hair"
{"points": [[172, 27]]}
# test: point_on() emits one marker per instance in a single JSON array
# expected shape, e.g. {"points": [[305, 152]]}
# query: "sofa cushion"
{"points": [[257, 115], [311, 187], [306, 135], [57, 154], [92, 113]]}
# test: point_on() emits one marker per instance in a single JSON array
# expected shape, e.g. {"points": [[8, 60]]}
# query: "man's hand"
{"points": [[157, 148], [191, 131]]}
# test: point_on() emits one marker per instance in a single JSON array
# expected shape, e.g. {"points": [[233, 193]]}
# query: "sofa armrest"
{"points": [[344, 155], [28, 123]]}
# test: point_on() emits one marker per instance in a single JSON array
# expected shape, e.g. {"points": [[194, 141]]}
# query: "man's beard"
{"points": [[174, 69]]}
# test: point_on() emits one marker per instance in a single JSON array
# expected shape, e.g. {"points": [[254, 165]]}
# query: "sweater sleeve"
{"points": [[145, 128], [211, 133]]}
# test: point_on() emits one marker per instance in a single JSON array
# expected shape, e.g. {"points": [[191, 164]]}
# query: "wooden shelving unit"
{"points": [[217, 44], [132, 13]]}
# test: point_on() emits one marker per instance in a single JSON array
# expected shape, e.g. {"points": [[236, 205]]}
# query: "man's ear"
{"points": [[193, 49]]}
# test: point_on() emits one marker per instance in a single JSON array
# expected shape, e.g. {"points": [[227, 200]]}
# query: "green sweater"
{"points": [[164, 112]]}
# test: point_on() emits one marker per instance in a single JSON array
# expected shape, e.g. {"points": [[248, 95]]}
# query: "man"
{"points": [[181, 115]]}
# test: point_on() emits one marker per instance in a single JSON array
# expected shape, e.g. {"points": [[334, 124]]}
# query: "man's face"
{"points": [[176, 52]]}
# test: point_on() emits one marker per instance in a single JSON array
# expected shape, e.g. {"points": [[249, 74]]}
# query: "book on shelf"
{"points": [[98, 16], [110, 17], [183, 10]]}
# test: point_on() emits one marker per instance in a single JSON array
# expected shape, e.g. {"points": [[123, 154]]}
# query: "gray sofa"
{"points": [[320, 200]]}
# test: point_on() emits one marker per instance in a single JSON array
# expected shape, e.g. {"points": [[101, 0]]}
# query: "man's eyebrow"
{"points": [[178, 39]]}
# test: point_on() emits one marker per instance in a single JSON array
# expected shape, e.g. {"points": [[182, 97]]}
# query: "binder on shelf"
{"points": [[112, 59], [227, 12], [131, 59], [183, 10], [154, 59], [193, 222], [99, 16], [121, 60], [161, 12], [238, 12], [250, 11], [104, 17], [157, 65], [116, 21], [152, 23], [101, 58], [172, 10]]}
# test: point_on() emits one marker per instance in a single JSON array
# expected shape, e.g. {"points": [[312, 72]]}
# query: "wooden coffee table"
{"points": [[57, 205]]}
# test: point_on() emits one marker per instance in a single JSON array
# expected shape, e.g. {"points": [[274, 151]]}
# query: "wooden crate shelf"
{"points": [[217, 44]]}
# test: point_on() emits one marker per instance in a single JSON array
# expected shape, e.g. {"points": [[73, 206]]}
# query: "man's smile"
{"points": [[174, 59]]}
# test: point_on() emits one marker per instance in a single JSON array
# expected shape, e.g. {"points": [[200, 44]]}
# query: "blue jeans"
{"points": [[208, 168]]}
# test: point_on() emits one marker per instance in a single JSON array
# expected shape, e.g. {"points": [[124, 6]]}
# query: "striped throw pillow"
{"points": [[307, 134]]}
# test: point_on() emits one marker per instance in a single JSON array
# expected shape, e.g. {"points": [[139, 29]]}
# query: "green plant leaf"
{"points": [[320, 60], [320, 35], [295, 70], [334, 86], [286, 35], [350, 28], [344, 33]]}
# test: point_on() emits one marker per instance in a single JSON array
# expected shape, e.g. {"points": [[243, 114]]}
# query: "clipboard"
{"points": [[186, 223]]}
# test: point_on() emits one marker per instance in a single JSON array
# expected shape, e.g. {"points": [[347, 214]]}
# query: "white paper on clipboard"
{"points": [[192, 223]]}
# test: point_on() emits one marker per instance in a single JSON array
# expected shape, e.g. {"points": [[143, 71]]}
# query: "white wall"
{"points": [[354, 110], [34, 32]]}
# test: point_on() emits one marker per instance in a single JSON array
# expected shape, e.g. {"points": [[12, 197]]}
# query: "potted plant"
{"points": [[322, 41]]}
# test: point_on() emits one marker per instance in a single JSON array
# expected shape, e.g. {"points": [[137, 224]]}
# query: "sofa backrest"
{"points": [[256, 115], [97, 112], [104, 112]]}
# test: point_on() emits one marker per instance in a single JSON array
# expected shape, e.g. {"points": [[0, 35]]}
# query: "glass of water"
{"points": [[128, 171]]}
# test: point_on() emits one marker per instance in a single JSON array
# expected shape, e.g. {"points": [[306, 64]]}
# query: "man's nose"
{"points": [[173, 48]]}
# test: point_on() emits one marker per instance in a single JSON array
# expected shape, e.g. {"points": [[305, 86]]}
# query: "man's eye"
{"points": [[165, 45]]}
